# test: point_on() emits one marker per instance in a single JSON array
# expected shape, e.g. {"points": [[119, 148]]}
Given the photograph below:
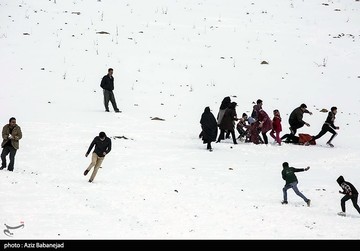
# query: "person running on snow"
{"points": [[350, 194], [328, 126], [102, 147]]}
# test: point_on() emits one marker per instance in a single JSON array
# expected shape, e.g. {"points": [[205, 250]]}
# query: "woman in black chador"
{"points": [[209, 128]]}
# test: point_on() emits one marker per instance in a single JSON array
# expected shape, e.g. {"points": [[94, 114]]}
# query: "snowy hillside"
{"points": [[171, 59]]}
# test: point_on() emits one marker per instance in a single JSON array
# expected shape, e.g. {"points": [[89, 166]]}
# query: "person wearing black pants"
{"points": [[107, 83], [350, 194], [11, 135], [296, 121], [228, 122], [328, 127]]}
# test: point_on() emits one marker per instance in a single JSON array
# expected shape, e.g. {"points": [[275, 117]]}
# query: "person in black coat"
{"points": [[350, 194], [328, 126], [102, 147], [228, 122], [209, 128], [296, 121], [224, 105], [107, 83]]}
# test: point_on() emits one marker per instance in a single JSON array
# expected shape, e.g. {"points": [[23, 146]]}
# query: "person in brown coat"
{"points": [[11, 135], [228, 122]]}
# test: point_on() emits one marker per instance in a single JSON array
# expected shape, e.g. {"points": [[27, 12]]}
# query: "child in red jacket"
{"points": [[276, 127]]}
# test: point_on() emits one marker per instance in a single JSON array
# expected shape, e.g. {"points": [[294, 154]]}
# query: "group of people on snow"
{"points": [[255, 128], [259, 123], [249, 129]]}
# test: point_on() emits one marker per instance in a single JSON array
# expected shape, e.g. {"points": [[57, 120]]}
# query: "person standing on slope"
{"points": [[224, 105], [209, 128], [288, 174], [11, 134], [276, 126], [228, 122], [107, 83], [102, 147], [350, 194]]}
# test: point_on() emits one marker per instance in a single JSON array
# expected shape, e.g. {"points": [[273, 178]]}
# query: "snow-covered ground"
{"points": [[171, 59]]}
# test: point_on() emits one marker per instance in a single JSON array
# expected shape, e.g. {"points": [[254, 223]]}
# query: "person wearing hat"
{"points": [[350, 194], [102, 147], [291, 181], [328, 126], [296, 120]]}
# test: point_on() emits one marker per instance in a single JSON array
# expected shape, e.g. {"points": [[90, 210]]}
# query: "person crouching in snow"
{"points": [[209, 128]]}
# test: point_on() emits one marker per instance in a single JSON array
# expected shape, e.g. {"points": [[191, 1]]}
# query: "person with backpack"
{"points": [[291, 181], [350, 194]]}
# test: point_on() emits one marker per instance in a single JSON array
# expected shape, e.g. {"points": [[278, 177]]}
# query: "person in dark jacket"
{"points": [[228, 122], [350, 193], [328, 126], [288, 174], [209, 128], [11, 134], [107, 83], [224, 105], [102, 147], [256, 109], [296, 120]]}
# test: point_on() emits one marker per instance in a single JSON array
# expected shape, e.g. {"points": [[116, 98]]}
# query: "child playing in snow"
{"points": [[276, 127], [242, 127]]}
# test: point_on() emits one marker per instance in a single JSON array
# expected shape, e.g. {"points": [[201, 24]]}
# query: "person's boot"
{"points": [[329, 144]]}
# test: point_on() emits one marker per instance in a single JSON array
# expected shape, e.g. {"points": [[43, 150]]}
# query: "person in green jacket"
{"points": [[288, 174]]}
